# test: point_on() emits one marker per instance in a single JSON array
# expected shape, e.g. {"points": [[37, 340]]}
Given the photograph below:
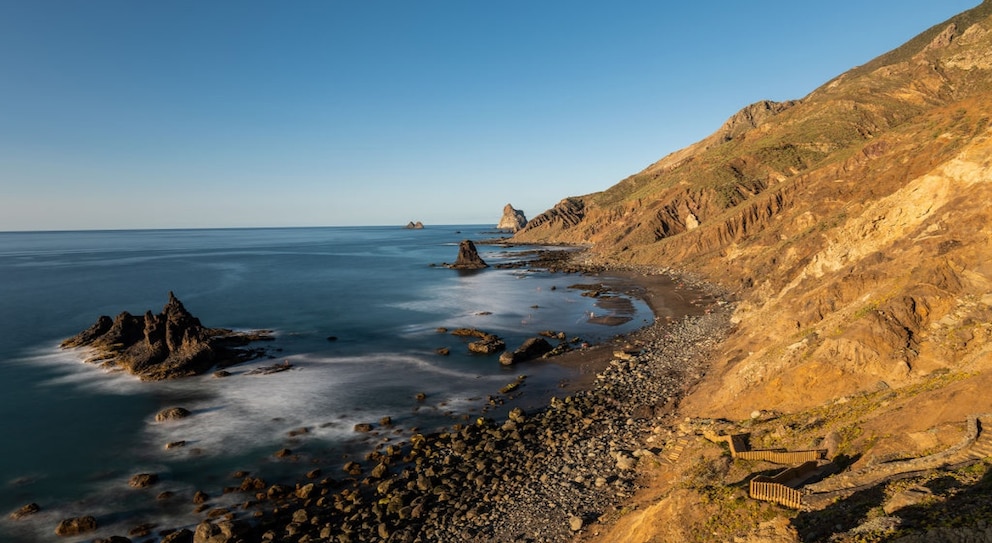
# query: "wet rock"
{"points": [[25, 511], [142, 480], [172, 413], [907, 498], [530, 349], [221, 532], [468, 257], [512, 220], [75, 526], [112, 539]]}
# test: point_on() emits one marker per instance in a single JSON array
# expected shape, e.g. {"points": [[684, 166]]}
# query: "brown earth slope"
{"points": [[854, 228]]}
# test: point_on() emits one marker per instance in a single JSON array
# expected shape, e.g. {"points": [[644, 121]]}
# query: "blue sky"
{"points": [[141, 114]]}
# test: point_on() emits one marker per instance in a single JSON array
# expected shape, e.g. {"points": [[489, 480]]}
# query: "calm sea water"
{"points": [[71, 434]]}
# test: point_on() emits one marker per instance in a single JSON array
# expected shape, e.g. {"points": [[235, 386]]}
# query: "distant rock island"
{"points": [[415, 225], [169, 345], [512, 220]]}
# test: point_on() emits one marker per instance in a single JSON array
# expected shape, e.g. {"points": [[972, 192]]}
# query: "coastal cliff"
{"points": [[852, 228]]}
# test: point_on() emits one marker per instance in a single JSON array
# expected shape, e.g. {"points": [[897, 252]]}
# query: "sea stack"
{"points": [[414, 225], [512, 220], [164, 346], [468, 257]]}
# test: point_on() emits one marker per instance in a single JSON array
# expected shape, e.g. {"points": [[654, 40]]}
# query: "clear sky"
{"points": [[182, 113]]}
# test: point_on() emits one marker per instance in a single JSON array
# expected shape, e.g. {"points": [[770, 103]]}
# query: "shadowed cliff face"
{"points": [[853, 226]]}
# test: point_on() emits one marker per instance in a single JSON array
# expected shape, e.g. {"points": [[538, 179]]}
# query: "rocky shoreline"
{"points": [[539, 476]]}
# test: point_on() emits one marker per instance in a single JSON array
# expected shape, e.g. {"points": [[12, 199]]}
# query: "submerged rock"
{"points": [[165, 346], [143, 480], [25, 511]]}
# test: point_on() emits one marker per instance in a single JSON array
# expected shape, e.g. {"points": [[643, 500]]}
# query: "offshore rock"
{"points": [[414, 225], [468, 257], [165, 346], [25, 511], [172, 413], [512, 219], [530, 349], [76, 526]]}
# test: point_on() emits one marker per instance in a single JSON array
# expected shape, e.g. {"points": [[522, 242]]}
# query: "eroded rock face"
{"points": [[512, 219], [468, 257], [171, 344]]}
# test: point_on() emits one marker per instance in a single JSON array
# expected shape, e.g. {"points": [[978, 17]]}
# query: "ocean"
{"points": [[74, 433]]}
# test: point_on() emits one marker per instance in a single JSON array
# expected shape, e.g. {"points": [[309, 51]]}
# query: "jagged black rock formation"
{"points": [[468, 257], [165, 346]]}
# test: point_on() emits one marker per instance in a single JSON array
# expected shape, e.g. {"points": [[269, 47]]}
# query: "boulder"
{"points": [[25, 511], [179, 536], [172, 413], [530, 349], [221, 532], [512, 219], [487, 345], [165, 346], [75, 526], [468, 257], [143, 480]]}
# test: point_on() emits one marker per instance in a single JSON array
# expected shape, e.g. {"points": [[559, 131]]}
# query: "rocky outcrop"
{"points": [[25, 511], [142, 480], [468, 257], [512, 219], [530, 349], [165, 346], [414, 225], [76, 526], [172, 413]]}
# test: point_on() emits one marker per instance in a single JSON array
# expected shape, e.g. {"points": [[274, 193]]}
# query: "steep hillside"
{"points": [[852, 225], [853, 228]]}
